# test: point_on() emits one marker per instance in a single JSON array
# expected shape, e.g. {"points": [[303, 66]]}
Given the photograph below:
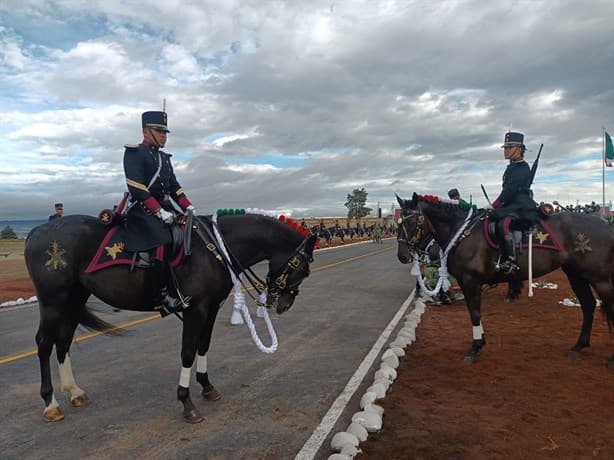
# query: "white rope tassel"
{"points": [[443, 282], [241, 306]]}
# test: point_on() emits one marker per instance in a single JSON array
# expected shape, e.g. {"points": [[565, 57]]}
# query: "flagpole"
{"points": [[603, 166]]}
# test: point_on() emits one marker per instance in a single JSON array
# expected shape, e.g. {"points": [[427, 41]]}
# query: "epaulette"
{"points": [[131, 146]]}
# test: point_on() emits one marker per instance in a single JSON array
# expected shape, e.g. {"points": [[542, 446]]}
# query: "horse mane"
{"points": [[452, 209]]}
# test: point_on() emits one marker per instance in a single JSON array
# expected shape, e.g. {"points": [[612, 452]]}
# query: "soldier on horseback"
{"points": [[152, 184], [514, 206]]}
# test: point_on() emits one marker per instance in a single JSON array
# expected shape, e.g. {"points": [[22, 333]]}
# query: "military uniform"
{"points": [[56, 215], [151, 183], [514, 207], [145, 229]]}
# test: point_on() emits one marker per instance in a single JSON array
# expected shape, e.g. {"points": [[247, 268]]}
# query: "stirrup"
{"points": [[508, 267]]}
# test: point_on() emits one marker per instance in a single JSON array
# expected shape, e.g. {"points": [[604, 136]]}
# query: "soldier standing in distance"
{"points": [[152, 184], [514, 205], [59, 210]]}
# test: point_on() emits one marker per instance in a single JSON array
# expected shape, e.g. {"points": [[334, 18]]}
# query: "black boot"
{"points": [[507, 261], [167, 303]]}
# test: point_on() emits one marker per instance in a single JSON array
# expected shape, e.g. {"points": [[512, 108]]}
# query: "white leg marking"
{"points": [[201, 364], [184, 379], [478, 331], [52, 404], [67, 380]]}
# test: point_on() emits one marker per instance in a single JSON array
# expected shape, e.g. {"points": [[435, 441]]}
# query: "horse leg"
{"points": [[605, 290], [45, 338], [191, 324], [209, 392], [473, 297], [582, 290], [78, 398]]}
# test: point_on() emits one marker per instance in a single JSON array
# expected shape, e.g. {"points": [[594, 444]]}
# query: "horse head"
{"points": [[411, 229], [284, 280]]}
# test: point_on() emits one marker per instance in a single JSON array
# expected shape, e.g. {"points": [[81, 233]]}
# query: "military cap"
{"points": [[453, 194], [513, 139], [59, 206], [154, 120]]}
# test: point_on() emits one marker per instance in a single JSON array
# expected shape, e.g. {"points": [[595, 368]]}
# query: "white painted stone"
{"points": [[350, 450], [368, 398], [339, 457], [397, 351], [384, 382], [393, 361], [342, 438], [387, 353], [399, 343], [371, 421], [378, 389], [379, 410], [358, 430], [388, 371]]}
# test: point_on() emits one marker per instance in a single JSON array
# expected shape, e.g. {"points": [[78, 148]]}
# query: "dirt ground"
{"points": [[523, 399]]}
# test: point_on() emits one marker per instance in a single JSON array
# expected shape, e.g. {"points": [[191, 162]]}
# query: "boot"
{"points": [[167, 303], [507, 261]]}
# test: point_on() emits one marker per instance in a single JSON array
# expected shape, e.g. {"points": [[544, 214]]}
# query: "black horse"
{"points": [[586, 257], [58, 253]]}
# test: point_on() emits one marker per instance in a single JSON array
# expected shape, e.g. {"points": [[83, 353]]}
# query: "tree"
{"points": [[356, 204], [8, 233]]}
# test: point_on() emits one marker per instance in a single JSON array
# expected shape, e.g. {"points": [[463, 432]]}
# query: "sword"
{"points": [[486, 195]]}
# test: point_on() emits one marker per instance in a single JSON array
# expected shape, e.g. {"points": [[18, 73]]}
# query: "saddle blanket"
{"points": [[111, 252], [543, 237]]}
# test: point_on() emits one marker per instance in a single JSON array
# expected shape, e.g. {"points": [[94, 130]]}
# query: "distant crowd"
{"points": [[584, 209]]}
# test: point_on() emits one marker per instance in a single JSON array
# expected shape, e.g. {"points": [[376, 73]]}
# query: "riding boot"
{"points": [[507, 263], [166, 302]]}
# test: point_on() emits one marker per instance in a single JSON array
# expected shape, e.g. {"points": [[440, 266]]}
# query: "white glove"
{"points": [[488, 207], [191, 209], [165, 216]]}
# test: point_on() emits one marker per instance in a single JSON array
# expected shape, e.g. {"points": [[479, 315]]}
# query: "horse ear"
{"points": [[310, 244], [400, 200], [414, 199]]}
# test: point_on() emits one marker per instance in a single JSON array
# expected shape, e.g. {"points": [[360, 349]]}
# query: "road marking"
{"points": [[313, 444], [26, 354]]}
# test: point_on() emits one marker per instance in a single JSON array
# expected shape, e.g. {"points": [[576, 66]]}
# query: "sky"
{"points": [[290, 106]]}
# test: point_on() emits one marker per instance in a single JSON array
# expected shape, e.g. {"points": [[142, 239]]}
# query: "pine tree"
{"points": [[8, 233]]}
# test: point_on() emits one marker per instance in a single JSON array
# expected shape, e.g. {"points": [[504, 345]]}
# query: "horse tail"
{"points": [[90, 321]]}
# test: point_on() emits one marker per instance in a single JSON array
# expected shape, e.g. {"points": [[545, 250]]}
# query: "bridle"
{"points": [[419, 238], [277, 281]]}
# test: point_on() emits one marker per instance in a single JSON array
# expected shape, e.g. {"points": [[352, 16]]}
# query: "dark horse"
{"points": [[586, 257], [58, 253]]}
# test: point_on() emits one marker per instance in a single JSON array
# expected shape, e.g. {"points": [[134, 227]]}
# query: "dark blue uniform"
{"points": [[141, 162], [515, 197]]}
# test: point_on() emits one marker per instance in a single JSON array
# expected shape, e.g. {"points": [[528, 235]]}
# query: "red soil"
{"points": [[523, 398]]}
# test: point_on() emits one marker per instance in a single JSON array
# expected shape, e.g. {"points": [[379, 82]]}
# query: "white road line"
{"points": [[314, 443]]}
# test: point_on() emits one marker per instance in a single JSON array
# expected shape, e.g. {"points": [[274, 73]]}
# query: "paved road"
{"points": [[271, 404]]}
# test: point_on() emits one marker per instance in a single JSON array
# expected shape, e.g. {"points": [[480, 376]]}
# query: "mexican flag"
{"points": [[609, 150]]}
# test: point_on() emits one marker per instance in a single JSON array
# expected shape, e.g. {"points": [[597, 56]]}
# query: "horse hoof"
{"points": [[80, 401], [192, 416], [210, 393], [53, 415], [574, 354]]}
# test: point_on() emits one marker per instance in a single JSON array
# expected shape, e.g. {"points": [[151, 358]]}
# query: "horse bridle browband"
{"points": [[419, 235]]}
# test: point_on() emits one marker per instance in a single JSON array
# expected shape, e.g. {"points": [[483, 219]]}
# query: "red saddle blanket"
{"points": [[543, 237], [111, 252]]}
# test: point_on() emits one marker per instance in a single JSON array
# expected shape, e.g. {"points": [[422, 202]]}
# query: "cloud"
{"points": [[293, 105]]}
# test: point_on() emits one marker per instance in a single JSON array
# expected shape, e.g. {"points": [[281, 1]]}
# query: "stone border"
{"points": [[370, 418]]}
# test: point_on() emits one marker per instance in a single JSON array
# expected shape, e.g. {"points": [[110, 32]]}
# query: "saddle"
{"points": [[543, 236], [112, 251]]}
